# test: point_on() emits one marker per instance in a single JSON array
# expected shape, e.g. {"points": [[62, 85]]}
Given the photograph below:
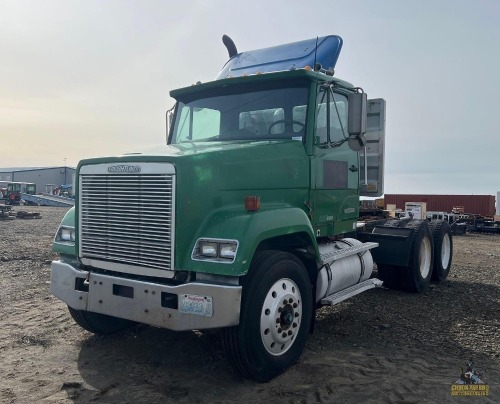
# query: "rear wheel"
{"points": [[443, 249], [416, 276], [99, 323], [276, 313]]}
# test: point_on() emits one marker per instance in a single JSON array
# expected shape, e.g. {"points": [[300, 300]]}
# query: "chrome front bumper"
{"points": [[144, 302]]}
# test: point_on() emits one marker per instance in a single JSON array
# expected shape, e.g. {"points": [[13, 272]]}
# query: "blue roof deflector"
{"points": [[295, 55]]}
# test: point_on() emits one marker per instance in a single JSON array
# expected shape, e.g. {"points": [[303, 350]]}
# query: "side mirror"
{"points": [[357, 142], [356, 123]]}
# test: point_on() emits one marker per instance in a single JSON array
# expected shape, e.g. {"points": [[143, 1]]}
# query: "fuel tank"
{"points": [[340, 273]]}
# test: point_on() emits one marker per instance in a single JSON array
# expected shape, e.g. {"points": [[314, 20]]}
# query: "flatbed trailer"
{"points": [[47, 200]]}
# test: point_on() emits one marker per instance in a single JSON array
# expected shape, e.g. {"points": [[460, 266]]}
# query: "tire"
{"points": [[97, 323], [417, 275], [275, 318], [443, 249], [396, 223]]}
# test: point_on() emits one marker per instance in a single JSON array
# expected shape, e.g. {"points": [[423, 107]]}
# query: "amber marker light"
{"points": [[252, 203], [307, 68]]}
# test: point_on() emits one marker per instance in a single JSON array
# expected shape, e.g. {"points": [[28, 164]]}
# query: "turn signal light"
{"points": [[252, 203]]}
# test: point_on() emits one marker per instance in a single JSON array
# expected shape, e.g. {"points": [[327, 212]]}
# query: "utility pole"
{"points": [[64, 170]]}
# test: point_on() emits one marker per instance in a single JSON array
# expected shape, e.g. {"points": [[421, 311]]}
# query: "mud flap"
{"points": [[394, 245]]}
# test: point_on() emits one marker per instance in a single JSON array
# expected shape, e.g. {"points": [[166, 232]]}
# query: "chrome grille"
{"points": [[127, 219]]}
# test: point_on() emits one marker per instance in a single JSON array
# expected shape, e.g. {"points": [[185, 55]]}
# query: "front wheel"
{"points": [[97, 323], [275, 319]]}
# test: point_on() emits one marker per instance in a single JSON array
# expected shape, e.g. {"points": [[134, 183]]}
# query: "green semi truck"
{"points": [[247, 220]]}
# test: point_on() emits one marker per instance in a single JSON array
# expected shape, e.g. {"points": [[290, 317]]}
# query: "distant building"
{"points": [[481, 204], [41, 176]]}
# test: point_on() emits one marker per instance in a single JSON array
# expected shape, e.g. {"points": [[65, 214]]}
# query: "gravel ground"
{"points": [[382, 346]]}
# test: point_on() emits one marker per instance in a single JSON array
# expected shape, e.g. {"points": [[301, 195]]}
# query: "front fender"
{"points": [[249, 229], [65, 248]]}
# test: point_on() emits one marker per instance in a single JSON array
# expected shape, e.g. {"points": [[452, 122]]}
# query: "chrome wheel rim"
{"points": [[445, 251], [281, 316], [425, 257]]}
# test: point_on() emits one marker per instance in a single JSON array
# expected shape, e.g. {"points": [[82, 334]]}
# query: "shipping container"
{"points": [[483, 205]]}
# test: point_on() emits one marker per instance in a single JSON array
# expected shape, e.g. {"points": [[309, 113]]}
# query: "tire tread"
{"points": [[439, 228], [408, 281], [97, 323]]}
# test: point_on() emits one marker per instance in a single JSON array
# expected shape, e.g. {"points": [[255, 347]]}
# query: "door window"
{"points": [[331, 114]]}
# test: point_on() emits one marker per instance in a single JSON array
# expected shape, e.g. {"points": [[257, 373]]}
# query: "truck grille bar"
{"points": [[127, 218]]}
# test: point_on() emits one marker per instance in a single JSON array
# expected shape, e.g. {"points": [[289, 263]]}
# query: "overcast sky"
{"points": [[88, 78]]}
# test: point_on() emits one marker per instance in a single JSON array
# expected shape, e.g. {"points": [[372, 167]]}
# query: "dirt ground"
{"points": [[382, 346]]}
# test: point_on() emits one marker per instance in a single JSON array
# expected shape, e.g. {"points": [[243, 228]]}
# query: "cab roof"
{"points": [[312, 59], [258, 78]]}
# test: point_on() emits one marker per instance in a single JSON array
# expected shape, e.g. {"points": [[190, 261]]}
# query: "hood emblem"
{"points": [[124, 169]]}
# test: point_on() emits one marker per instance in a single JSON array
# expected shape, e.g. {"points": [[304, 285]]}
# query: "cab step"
{"points": [[351, 291]]}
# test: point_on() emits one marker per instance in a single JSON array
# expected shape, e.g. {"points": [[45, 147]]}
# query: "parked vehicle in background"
{"points": [[12, 193], [64, 190], [483, 225]]}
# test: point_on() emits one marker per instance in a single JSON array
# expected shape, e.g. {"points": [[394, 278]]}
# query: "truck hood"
{"points": [[188, 148], [233, 165], [212, 181]]}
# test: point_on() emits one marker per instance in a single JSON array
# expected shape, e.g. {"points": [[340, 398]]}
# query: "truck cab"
{"points": [[289, 130]]}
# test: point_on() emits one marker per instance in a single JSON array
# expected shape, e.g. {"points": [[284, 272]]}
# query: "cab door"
{"points": [[334, 167]]}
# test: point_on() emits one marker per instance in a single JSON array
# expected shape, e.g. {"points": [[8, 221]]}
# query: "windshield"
{"points": [[273, 111]]}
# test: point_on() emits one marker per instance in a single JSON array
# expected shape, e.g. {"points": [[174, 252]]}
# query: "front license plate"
{"points": [[194, 304]]}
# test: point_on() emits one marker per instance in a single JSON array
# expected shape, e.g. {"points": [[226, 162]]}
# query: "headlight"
{"points": [[208, 248], [227, 250], [66, 234], [218, 250]]}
